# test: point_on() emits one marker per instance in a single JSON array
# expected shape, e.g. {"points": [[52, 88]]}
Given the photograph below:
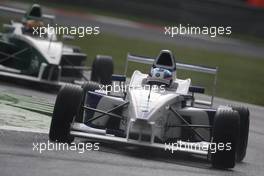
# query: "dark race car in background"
{"points": [[27, 55]]}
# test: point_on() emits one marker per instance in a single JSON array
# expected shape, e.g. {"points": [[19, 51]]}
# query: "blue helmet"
{"points": [[161, 73]]}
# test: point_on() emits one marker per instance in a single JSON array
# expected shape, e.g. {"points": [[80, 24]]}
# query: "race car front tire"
{"points": [[88, 86], [225, 133], [66, 106]]}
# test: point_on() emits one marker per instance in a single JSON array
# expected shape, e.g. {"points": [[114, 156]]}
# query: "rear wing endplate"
{"points": [[181, 66]]}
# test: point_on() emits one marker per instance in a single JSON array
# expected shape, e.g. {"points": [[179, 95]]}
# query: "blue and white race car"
{"points": [[155, 110]]}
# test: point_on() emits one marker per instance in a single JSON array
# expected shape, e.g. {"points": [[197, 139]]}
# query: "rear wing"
{"points": [[181, 66], [23, 12]]}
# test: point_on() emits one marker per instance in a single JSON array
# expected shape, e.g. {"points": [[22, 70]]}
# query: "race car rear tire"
{"points": [[102, 70], [66, 106], [225, 132], [244, 130]]}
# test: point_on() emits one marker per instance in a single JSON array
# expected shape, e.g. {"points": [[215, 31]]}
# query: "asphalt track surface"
{"points": [[17, 156]]}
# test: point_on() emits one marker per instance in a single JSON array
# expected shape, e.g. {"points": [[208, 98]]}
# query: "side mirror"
{"points": [[68, 37]]}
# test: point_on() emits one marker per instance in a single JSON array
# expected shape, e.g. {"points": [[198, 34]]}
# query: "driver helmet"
{"points": [[33, 24], [161, 73]]}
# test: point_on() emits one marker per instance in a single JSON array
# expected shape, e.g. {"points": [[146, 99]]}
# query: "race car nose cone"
{"points": [[140, 129]]}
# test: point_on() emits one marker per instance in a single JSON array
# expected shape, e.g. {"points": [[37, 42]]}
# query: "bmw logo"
{"points": [[157, 75]]}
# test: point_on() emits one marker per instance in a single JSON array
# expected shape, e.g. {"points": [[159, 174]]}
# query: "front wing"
{"points": [[83, 131]]}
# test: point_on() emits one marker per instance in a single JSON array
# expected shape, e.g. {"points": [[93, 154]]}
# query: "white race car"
{"points": [[156, 110], [30, 51]]}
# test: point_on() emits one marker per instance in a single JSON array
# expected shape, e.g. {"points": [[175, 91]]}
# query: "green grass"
{"points": [[239, 78]]}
